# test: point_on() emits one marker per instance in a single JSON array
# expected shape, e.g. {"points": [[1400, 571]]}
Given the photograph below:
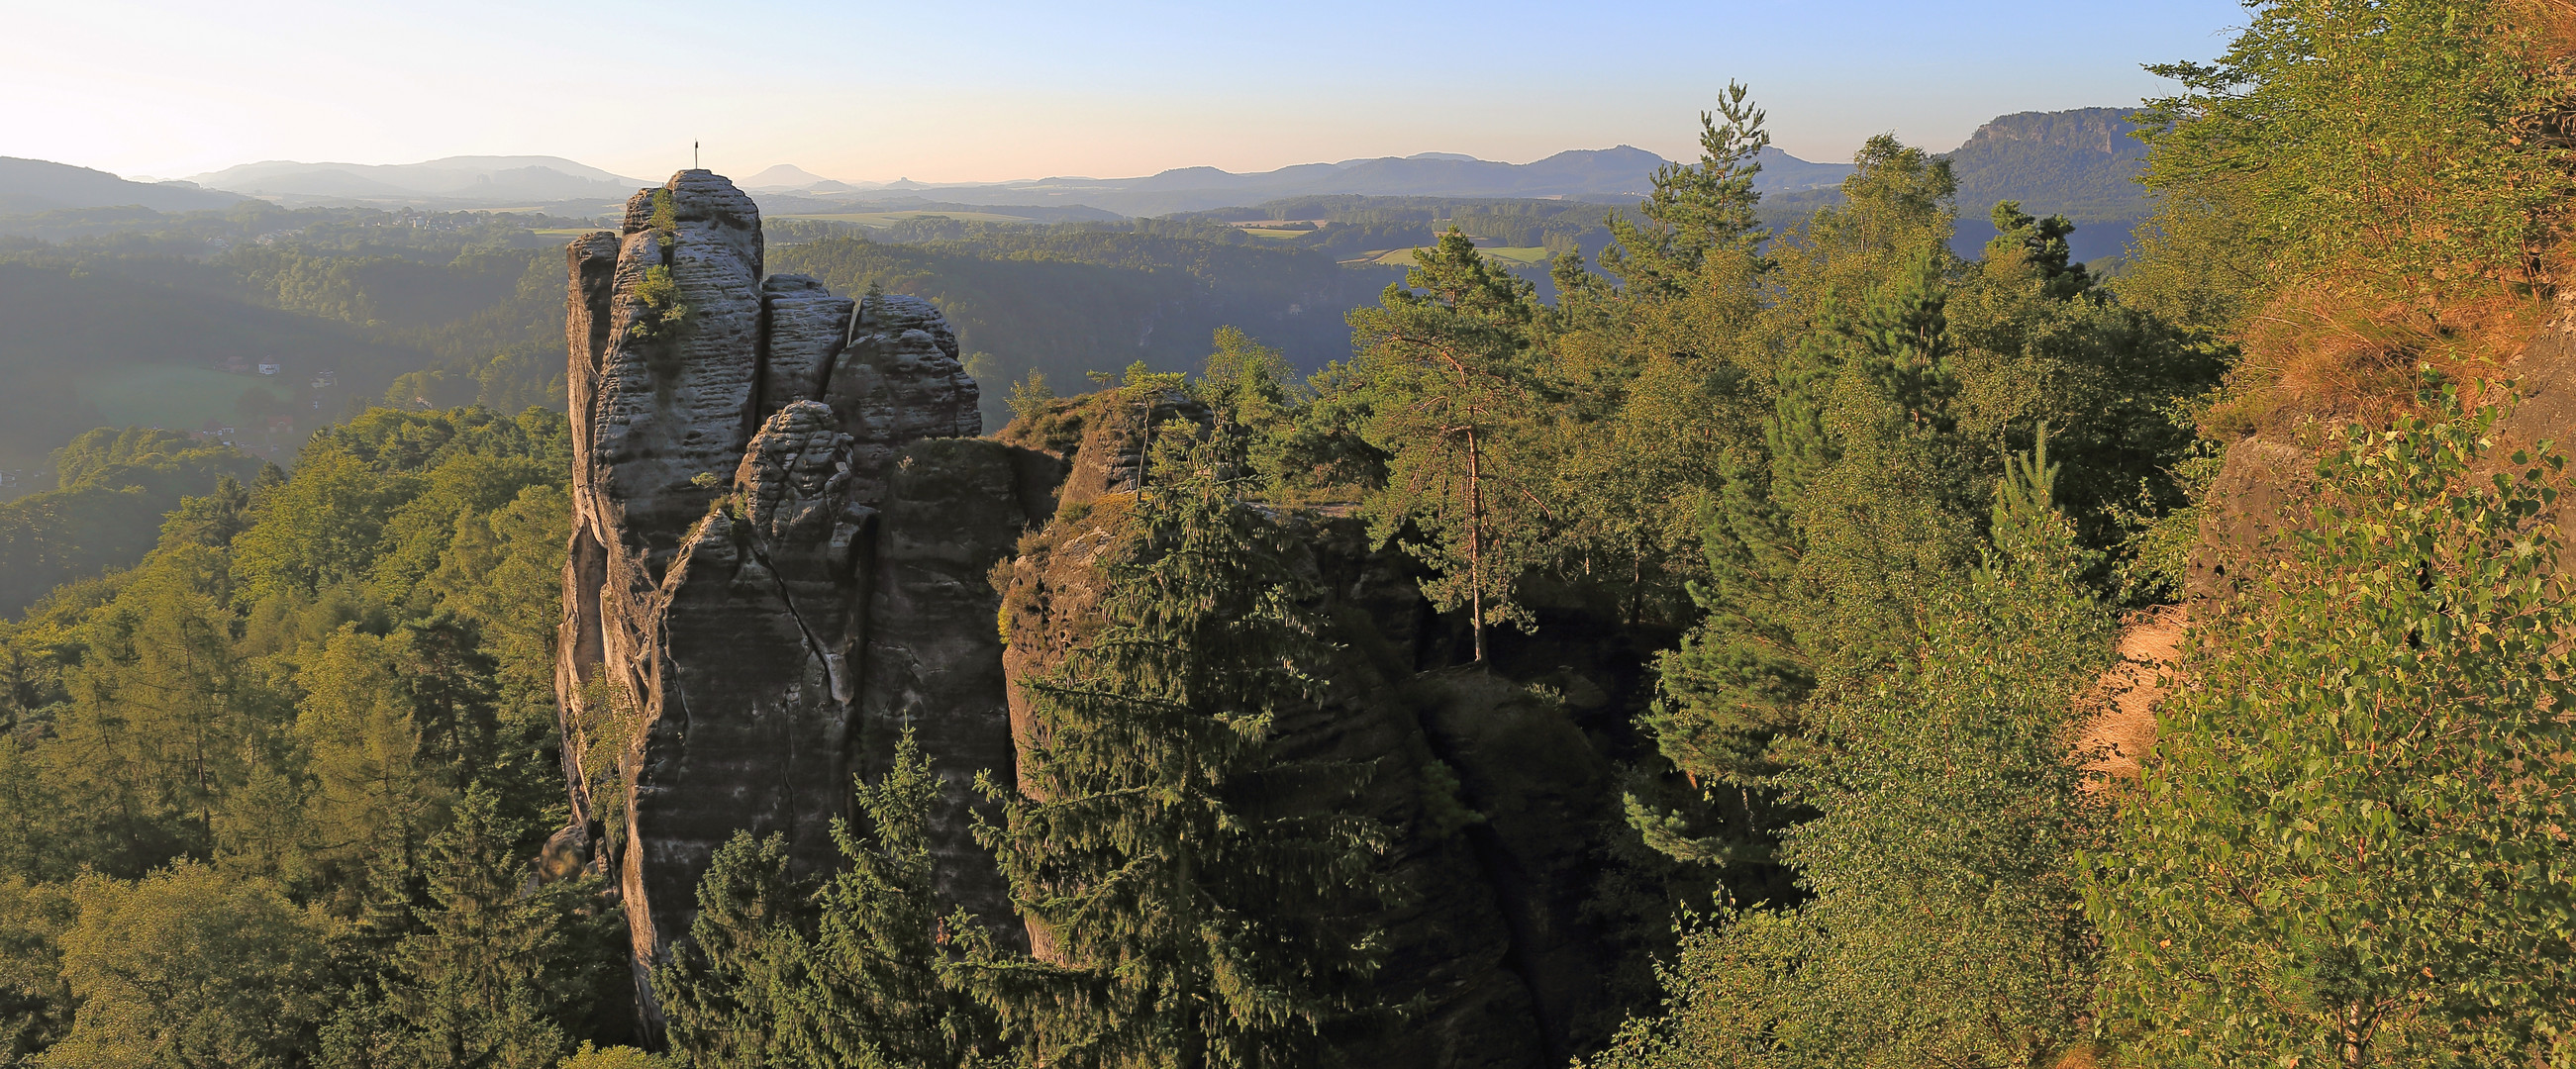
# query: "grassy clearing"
{"points": [[1274, 232], [1519, 255], [180, 398]]}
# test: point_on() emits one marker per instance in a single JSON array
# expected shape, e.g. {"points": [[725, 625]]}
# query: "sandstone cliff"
{"points": [[781, 530], [2264, 484]]}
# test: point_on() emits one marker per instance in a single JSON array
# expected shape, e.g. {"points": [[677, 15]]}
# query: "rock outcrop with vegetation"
{"points": [[789, 550], [777, 555]]}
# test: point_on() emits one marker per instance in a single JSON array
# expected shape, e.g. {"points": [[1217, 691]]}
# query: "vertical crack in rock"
{"points": [[806, 328], [735, 438], [796, 479]]}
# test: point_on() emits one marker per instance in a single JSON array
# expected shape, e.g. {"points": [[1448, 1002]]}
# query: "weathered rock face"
{"points": [[2246, 516], [759, 595], [1117, 437]]}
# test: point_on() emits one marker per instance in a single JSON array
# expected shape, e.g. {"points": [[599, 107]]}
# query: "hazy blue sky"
{"points": [[956, 90]]}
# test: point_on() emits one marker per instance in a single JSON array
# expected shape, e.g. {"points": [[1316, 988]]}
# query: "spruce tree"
{"points": [[851, 976], [496, 962], [1183, 915], [884, 995], [728, 988]]}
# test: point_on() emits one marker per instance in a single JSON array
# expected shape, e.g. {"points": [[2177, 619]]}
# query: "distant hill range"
{"points": [[1611, 175], [453, 182], [788, 176], [2079, 163], [31, 186]]}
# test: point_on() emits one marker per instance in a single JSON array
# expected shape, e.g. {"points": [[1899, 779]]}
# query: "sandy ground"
{"points": [[2125, 728]]}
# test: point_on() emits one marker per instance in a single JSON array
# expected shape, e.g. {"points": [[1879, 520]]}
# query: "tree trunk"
{"points": [[1476, 545], [1636, 582], [1144, 449], [1193, 1052]]}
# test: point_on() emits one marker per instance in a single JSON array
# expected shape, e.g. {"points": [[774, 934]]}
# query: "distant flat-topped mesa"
{"points": [[782, 523]]}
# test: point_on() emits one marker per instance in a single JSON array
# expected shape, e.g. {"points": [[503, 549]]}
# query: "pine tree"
{"points": [[1943, 926], [1181, 916], [1658, 401], [2039, 246], [1245, 382], [1697, 210], [1819, 541], [1454, 407]]}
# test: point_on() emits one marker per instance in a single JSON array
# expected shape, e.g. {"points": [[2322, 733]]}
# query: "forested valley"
{"points": [[1836, 649]]}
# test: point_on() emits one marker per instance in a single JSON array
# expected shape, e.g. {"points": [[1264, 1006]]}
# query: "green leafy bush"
{"points": [[2352, 849]]}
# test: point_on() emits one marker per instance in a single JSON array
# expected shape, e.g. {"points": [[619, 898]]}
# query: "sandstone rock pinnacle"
{"points": [[743, 529]]}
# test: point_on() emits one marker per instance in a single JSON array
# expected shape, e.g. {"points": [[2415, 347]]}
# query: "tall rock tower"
{"points": [[782, 523]]}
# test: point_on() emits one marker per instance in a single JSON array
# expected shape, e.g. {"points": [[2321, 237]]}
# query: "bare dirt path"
{"points": [[2124, 729]]}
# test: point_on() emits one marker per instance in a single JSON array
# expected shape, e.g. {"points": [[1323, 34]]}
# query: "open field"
{"points": [[177, 397], [1520, 255], [1511, 253]]}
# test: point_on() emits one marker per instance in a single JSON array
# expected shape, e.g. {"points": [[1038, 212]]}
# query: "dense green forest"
{"points": [[107, 513], [131, 317], [268, 797], [270, 793]]}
